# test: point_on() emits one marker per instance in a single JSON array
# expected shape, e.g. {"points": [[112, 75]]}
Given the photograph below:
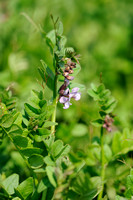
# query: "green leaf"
{"points": [[102, 114], [109, 108], [44, 131], [38, 94], [63, 41], [56, 148], [65, 150], [129, 181], [48, 142], [25, 189], [120, 198], [50, 110], [43, 185], [43, 103], [36, 161], [79, 130], [49, 161], [31, 111], [116, 143], [39, 138], [50, 173], [40, 170], [20, 141], [10, 183], [59, 28], [51, 37], [46, 74], [93, 94], [7, 121], [129, 184], [17, 118], [107, 152], [100, 88], [31, 150], [15, 130], [97, 122], [48, 124]]}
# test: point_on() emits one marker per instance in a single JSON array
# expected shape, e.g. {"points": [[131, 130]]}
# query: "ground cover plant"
{"points": [[50, 168]]}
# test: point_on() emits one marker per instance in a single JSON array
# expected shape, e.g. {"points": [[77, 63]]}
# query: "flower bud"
{"points": [[73, 64], [67, 69], [71, 67], [69, 61], [65, 74], [70, 71], [66, 82], [70, 78], [61, 92], [63, 87]]}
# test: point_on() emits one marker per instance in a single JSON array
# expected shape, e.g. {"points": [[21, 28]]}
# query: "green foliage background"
{"points": [[100, 30]]}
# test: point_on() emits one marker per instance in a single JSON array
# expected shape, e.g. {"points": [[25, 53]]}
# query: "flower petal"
{"points": [[77, 96], [66, 82], [63, 99], [76, 89], [66, 105], [67, 91]]}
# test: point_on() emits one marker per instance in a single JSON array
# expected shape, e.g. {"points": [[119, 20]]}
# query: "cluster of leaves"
{"points": [[56, 42], [105, 101], [51, 172], [30, 134]]}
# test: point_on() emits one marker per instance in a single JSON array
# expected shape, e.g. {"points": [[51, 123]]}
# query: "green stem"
{"points": [[102, 165], [53, 118]]}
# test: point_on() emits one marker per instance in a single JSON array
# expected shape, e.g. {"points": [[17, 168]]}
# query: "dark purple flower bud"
{"points": [[66, 82], [108, 123], [70, 71], [63, 87], [67, 69], [73, 64], [61, 92]]}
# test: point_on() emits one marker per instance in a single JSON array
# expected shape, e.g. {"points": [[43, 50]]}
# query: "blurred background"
{"points": [[101, 31]]}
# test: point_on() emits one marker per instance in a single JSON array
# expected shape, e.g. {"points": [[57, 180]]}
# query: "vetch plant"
{"points": [[96, 168], [106, 104], [33, 131]]}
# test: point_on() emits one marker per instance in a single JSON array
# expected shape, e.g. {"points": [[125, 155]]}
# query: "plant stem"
{"points": [[53, 118], [102, 165]]}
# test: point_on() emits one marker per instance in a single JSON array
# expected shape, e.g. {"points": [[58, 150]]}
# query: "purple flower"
{"points": [[75, 94], [68, 95]]}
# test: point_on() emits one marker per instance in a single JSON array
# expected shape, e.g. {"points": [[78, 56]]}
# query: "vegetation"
{"points": [[71, 139]]}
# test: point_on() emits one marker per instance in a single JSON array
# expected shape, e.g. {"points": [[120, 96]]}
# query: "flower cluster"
{"points": [[69, 69], [67, 95], [108, 123], [64, 91]]}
